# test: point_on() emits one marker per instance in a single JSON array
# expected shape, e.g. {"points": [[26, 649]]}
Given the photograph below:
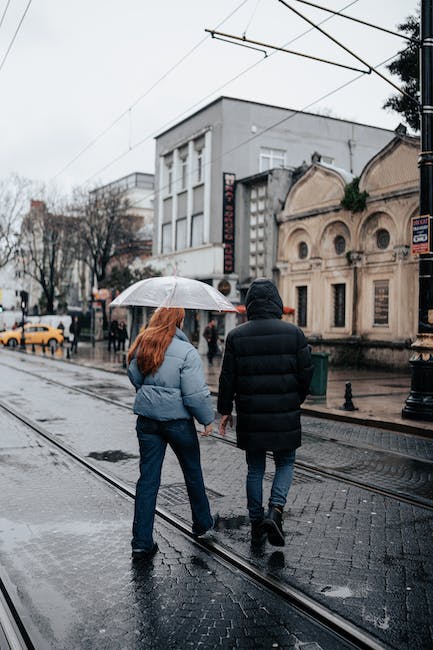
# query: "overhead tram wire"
{"points": [[252, 16], [361, 22], [170, 122], [196, 104], [143, 95], [15, 35], [4, 12], [279, 122], [347, 49], [173, 120], [243, 40]]}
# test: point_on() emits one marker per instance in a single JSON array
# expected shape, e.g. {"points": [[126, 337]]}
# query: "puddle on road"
{"points": [[233, 523], [112, 455]]}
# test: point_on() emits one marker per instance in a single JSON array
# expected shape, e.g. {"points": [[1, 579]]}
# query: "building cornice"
{"points": [[280, 108], [338, 208]]}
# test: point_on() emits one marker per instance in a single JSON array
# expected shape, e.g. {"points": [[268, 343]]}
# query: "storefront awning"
{"points": [[241, 309]]}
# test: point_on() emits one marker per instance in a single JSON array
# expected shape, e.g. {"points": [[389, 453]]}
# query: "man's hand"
{"points": [[207, 430], [225, 419]]}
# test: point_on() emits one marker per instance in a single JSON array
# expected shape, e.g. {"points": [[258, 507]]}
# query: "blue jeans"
{"points": [[153, 436], [256, 460]]}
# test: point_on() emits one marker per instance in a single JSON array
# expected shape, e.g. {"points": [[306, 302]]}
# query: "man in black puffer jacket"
{"points": [[267, 371]]}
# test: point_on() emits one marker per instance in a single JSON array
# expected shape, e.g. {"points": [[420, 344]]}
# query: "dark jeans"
{"points": [[256, 460], [153, 437], [212, 350]]}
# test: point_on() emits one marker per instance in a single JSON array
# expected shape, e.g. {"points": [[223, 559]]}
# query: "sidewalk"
{"points": [[378, 395]]}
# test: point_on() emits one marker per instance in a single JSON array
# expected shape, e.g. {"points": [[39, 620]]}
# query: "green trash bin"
{"points": [[320, 375]]}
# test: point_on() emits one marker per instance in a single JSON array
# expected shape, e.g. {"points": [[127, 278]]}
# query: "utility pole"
{"points": [[24, 305], [419, 404]]}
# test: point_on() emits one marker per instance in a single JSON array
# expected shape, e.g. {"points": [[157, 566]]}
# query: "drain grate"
{"points": [[176, 494]]}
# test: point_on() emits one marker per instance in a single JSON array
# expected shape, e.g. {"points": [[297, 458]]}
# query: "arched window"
{"points": [[302, 250], [339, 244], [382, 238]]}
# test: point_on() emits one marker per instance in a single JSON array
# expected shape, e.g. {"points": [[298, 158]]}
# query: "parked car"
{"points": [[37, 333]]}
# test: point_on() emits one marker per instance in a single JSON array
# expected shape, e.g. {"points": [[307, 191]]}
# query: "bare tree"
{"points": [[14, 196], [47, 250], [105, 227]]}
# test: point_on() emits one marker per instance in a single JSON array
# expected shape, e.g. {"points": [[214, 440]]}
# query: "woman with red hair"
{"points": [[167, 373]]}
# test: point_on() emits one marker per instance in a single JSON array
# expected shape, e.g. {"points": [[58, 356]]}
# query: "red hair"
{"points": [[152, 342]]}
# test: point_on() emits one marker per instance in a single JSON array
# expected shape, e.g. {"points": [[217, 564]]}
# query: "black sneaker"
{"points": [[258, 533], [273, 524], [138, 555]]}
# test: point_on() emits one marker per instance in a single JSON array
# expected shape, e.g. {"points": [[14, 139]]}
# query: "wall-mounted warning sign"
{"points": [[421, 233]]}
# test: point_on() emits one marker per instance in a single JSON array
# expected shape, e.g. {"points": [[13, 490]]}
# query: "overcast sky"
{"points": [[76, 67]]}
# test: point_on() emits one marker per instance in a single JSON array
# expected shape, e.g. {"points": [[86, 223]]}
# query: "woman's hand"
{"points": [[207, 430]]}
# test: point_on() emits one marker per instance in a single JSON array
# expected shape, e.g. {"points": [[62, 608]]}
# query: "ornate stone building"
{"points": [[349, 274]]}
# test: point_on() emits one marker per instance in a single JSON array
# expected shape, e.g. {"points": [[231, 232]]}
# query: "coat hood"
{"points": [[263, 300]]}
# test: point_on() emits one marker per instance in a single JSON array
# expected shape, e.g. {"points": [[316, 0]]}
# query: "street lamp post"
{"points": [[24, 303], [419, 404]]}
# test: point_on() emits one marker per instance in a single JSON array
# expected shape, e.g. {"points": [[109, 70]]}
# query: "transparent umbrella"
{"points": [[173, 291]]}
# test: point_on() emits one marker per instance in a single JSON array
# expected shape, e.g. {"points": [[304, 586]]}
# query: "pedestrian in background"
{"points": [[113, 333], [122, 335], [61, 327], [211, 335], [74, 331], [167, 374], [267, 370]]}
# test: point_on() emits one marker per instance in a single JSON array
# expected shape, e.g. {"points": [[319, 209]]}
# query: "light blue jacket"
{"points": [[178, 389]]}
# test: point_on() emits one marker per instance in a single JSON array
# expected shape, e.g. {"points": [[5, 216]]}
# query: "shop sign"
{"points": [[421, 234], [229, 221]]}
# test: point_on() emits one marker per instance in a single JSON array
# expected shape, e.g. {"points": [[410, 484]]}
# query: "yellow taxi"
{"points": [[36, 333]]}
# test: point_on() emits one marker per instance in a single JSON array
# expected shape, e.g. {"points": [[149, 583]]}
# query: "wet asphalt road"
{"points": [[367, 556]]}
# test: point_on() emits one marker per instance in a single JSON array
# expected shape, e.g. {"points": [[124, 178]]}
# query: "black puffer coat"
{"points": [[267, 371]]}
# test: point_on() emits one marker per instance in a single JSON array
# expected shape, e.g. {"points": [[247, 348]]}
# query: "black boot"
{"points": [[138, 555], [273, 524], [258, 533]]}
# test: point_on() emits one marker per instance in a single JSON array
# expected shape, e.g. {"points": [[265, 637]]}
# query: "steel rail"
{"points": [[371, 487], [335, 414], [12, 625], [315, 611]]}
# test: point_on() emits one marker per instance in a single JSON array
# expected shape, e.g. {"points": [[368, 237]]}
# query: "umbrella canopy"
{"points": [[173, 292]]}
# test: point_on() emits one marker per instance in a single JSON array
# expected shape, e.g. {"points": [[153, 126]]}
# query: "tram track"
{"points": [[300, 465], [307, 606], [13, 632]]}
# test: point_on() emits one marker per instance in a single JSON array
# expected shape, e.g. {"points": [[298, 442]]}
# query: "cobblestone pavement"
{"points": [[367, 556], [406, 475], [65, 545]]}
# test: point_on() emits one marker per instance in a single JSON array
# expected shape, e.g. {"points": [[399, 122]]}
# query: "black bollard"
{"points": [[53, 349], [348, 403], [43, 348], [33, 347], [68, 352]]}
